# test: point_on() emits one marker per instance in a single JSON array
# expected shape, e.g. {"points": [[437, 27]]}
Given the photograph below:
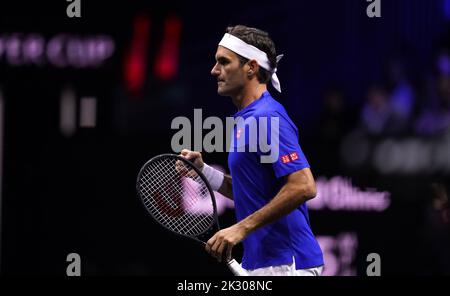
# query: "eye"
{"points": [[223, 61]]}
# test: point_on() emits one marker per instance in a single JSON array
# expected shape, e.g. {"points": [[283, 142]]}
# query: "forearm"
{"points": [[299, 187], [218, 180], [226, 188], [287, 200]]}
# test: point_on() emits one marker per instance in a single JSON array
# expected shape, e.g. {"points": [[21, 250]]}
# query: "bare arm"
{"points": [[299, 188], [227, 187]]}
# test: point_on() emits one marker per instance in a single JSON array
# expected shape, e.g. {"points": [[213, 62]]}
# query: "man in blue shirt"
{"points": [[269, 196]]}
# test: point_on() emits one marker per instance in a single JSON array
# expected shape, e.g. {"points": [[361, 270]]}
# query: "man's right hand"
{"points": [[194, 156]]}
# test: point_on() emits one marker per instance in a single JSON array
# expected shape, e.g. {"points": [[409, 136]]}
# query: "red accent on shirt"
{"points": [[294, 156], [285, 158]]}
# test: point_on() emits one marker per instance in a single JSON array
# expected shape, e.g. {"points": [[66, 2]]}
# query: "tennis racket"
{"points": [[178, 196]]}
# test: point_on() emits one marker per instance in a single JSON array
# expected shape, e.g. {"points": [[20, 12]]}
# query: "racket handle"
{"points": [[236, 268]]}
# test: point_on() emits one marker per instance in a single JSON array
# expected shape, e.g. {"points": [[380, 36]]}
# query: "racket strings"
{"points": [[176, 196], [194, 223]]}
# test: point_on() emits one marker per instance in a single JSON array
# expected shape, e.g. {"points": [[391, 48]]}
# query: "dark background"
{"points": [[76, 193]]}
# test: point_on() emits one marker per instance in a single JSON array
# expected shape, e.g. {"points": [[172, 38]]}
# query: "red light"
{"points": [[135, 66], [166, 65]]}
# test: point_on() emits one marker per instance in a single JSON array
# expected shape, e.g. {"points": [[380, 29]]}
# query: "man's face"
{"points": [[231, 77]]}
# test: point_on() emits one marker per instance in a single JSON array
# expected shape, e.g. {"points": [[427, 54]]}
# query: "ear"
{"points": [[253, 68]]}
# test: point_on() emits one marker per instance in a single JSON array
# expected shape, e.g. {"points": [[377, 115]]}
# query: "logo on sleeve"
{"points": [[294, 156], [285, 158], [289, 157]]}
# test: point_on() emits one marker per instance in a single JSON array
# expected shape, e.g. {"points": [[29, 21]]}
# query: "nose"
{"points": [[215, 70]]}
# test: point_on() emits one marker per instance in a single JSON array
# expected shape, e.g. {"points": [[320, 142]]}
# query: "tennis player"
{"points": [[269, 198]]}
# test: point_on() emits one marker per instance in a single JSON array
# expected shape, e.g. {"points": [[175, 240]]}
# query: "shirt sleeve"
{"points": [[281, 147]]}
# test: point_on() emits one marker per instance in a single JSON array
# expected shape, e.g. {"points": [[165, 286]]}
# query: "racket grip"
{"points": [[236, 268]]}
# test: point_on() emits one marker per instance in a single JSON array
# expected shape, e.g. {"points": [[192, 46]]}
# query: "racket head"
{"points": [[178, 196]]}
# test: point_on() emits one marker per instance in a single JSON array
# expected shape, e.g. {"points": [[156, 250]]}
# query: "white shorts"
{"points": [[285, 270]]}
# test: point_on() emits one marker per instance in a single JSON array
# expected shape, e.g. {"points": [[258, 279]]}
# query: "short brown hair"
{"points": [[261, 40]]}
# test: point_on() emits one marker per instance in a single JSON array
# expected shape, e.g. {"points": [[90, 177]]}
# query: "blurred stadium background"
{"points": [[84, 102]]}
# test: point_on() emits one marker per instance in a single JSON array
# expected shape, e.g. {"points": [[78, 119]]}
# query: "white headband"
{"points": [[252, 53]]}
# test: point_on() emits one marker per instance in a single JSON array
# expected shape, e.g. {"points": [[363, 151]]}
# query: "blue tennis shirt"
{"points": [[255, 183]]}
